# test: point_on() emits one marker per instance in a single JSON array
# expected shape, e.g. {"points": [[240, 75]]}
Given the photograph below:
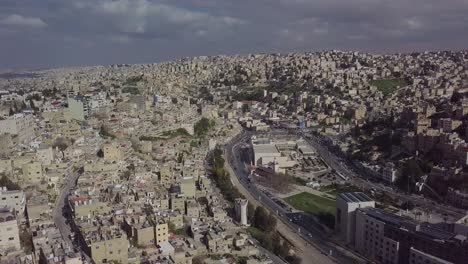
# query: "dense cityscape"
{"points": [[324, 157]]}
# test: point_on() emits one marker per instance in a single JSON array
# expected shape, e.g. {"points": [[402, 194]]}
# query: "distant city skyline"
{"points": [[53, 33]]}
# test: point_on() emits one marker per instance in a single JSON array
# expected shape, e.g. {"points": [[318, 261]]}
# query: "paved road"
{"points": [[348, 169], [60, 207], [311, 234]]}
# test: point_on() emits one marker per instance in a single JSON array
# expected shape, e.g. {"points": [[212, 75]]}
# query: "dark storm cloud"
{"points": [[81, 32]]}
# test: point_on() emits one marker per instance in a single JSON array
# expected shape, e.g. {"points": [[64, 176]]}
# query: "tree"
{"points": [[100, 153], [261, 218], [171, 226], [131, 168], [271, 223], [294, 260], [198, 260], [245, 108], [174, 100], [277, 245], [32, 105], [408, 205], [61, 144], [202, 127], [251, 212]]}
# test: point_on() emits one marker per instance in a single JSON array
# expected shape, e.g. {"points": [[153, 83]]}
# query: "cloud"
{"points": [[144, 16], [132, 31], [18, 20]]}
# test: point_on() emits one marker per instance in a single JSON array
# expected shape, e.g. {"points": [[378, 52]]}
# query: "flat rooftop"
{"points": [[355, 197], [265, 148]]}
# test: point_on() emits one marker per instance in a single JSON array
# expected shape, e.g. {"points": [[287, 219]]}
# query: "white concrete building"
{"points": [[389, 172], [264, 151], [370, 239], [345, 220], [241, 211]]}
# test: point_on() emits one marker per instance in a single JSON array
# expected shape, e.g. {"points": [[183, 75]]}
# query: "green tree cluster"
{"points": [[203, 126]]}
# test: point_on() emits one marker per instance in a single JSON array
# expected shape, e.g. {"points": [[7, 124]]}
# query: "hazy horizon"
{"points": [[53, 34]]}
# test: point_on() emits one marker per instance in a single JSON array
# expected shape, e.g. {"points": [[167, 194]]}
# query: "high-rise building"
{"points": [[346, 205], [388, 238], [241, 211]]}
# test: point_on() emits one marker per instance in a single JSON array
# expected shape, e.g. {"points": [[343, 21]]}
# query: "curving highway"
{"points": [[301, 225]]}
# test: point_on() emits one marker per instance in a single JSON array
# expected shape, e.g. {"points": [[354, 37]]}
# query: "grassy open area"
{"points": [[181, 232], [180, 132], [311, 203], [255, 232], [388, 86]]}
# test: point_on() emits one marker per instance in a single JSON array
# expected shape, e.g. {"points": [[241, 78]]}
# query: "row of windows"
{"points": [[4, 198], [9, 239]]}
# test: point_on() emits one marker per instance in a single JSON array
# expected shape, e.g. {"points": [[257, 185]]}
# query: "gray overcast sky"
{"points": [[53, 33]]}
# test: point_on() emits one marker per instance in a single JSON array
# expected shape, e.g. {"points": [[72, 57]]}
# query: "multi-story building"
{"points": [[387, 238], [166, 176], [32, 172], [161, 230], [112, 152], [78, 107], [177, 202], [45, 155], [14, 199], [346, 205], [389, 172], [9, 233], [457, 198], [21, 125], [87, 208], [187, 187], [107, 244]]}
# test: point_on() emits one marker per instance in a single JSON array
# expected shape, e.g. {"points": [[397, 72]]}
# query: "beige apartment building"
{"points": [[165, 176], [45, 155], [177, 202], [32, 172], [145, 232], [14, 199], [161, 230], [187, 187], [9, 233], [86, 208], [110, 244], [112, 152]]}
